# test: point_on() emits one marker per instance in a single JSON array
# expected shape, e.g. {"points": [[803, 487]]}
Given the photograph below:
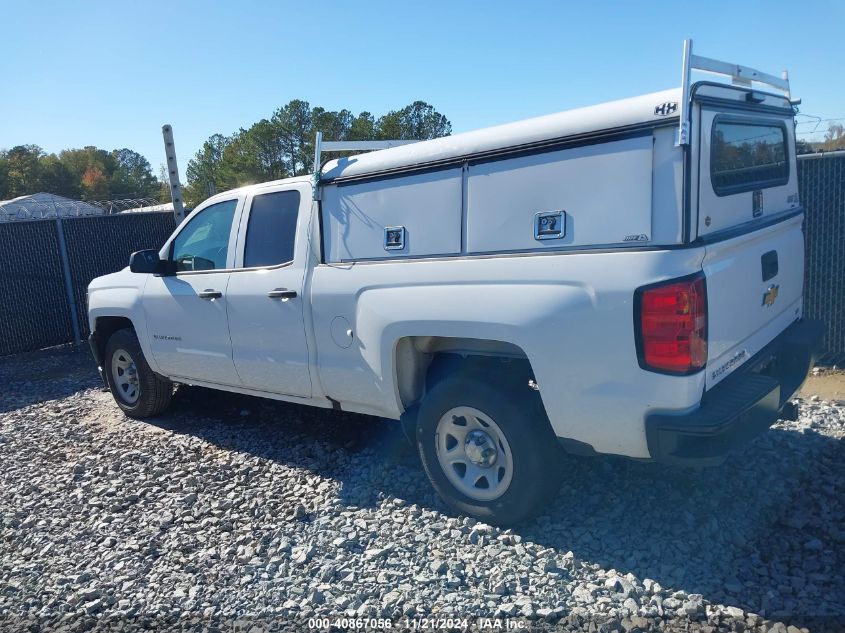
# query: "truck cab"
{"points": [[226, 308]]}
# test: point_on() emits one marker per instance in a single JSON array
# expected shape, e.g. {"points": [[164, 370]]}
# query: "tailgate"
{"points": [[750, 221], [754, 289]]}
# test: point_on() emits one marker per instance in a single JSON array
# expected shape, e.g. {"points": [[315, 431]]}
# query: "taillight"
{"points": [[671, 322]]}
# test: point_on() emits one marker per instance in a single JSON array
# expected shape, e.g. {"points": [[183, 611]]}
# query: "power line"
{"points": [[817, 121]]}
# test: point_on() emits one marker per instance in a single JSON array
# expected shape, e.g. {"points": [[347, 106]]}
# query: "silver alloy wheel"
{"points": [[124, 375], [474, 453]]}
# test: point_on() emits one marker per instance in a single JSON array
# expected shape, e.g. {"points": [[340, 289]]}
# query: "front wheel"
{"points": [[488, 448], [139, 391]]}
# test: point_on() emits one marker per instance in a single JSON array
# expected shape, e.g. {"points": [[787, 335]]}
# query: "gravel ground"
{"points": [[241, 514]]}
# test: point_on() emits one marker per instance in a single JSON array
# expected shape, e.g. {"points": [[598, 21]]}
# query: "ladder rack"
{"points": [[740, 76], [321, 146]]}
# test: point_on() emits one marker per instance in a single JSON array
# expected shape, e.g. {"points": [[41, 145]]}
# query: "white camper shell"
{"points": [[623, 279], [614, 169], [487, 191]]}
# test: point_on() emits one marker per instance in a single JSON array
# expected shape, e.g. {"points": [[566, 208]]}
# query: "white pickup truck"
{"points": [[621, 279]]}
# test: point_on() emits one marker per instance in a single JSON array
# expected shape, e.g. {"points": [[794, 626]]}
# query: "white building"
{"points": [[38, 206], [167, 206]]}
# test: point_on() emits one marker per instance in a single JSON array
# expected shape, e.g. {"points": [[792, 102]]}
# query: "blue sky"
{"points": [[111, 73]]}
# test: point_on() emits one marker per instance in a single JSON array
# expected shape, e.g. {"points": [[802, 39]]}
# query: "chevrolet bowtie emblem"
{"points": [[770, 295]]}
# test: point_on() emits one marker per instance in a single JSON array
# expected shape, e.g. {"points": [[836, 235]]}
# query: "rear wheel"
{"points": [[488, 448], [139, 391]]}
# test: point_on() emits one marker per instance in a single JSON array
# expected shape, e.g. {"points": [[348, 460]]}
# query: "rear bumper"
{"points": [[742, 406]]}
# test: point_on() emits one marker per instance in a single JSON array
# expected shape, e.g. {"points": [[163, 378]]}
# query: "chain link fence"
{"points": [[821, 178], [33, 302], [100, 245], [46, 266]]}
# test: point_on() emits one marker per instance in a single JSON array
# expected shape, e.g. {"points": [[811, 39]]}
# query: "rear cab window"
{"points": [[271, 229], [747, 154]]}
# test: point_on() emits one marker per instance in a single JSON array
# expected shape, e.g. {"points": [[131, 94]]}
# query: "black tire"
{"points": [[153, 391], [537, 459]]}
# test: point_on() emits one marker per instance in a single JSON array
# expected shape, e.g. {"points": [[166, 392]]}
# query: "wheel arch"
{"points": [[103, 326], [420, 361], [102, 329]]}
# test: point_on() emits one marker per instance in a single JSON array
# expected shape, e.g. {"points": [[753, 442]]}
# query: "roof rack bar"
{"points": [[361, 146], [321, 146], [683, 128], [318, 149], [739, 75]]}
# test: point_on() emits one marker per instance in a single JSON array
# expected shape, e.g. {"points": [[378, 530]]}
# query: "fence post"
{"points": [[74, 320], [173, 169]]}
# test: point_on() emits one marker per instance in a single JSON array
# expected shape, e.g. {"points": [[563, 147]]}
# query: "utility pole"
{"points": [[173, 172]]}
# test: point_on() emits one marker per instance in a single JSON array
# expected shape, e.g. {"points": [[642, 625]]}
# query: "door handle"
{"points": [[208, 293], [282, 293]]}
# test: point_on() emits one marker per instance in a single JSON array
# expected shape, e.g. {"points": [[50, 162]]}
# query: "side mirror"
{"points": [[148, 261]]}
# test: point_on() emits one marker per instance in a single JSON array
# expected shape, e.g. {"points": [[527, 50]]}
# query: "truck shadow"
{"points": [[763, 532]]}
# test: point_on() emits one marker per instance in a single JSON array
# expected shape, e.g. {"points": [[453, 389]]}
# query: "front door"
{"points": [[265, 294], [186, 313]]}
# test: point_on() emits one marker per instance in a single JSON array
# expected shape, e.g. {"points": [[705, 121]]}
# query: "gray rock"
{"points": [[650, 586], [508, 609], [546, 613], [499, 587], [377, 552], [621, 586], [89, 595], [438, 567], [95, 606], [630, 605], [582, 594], [303, 553], [693, 606]]}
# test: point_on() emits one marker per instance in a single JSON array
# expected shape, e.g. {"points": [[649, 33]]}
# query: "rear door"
{"points": [[265, 294], [750, 222]]}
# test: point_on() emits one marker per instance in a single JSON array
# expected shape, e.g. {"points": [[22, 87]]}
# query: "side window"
{"points": [[204, 242], [271, 232]]}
